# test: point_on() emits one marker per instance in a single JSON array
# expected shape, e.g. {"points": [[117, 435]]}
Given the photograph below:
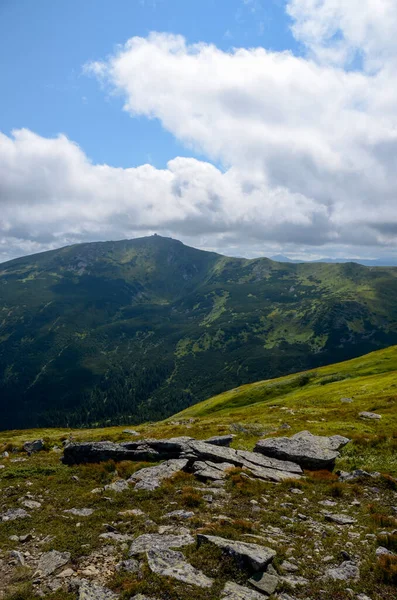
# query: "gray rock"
{"points": [[31, 504], [131, 432], [118, 486], [288, 567], [347, 570], [80, 512], [220, 440], [253, 555], [130, 566], [210, 470], [18, 556], [346, 400], [264, 582], [51, 561], [339, 519], [369, 415], [307, 450], [14, 513], [381, 551], [294, 580], [151, 478], [233, 591], [155, 541], [357, 474], [170, 563], [92, 591], [93, 452], [119, 538], [33, 446], [179, 514]]}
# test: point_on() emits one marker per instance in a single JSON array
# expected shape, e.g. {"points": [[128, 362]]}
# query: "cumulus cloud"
{"points": [[307, 146]]}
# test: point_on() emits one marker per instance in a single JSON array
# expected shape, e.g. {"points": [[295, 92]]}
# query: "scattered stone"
{"points": [[130, 565], [179, 514], [369, 415], [14, 513], [346, 400], [264, 582], [357, 474], [288, 567], [170, 563], [155, 541], [66, 573], [339, 519], [131, 432], [151, 478], [31, 504], [210, 470], [135, 512], [233, 591], [382, 551], [294, 580], [296, 491], [118, 486], [51, 561], [34, 446], [307, 450], [347, 570], [120, 538], [256, 556], [92, 591], [80, 512], [18, 556]]}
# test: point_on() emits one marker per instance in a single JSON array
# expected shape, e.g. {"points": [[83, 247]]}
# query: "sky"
{"points": [[249, 127]]}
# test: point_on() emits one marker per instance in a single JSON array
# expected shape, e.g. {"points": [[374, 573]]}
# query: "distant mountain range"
{"points": [[378, 262], [139, 329]]}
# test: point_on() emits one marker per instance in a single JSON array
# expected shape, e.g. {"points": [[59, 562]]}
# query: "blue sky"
{"points": [[249, 127], [44, 45]]}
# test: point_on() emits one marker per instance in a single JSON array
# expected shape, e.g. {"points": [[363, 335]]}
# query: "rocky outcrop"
{"points": [[171, 563], [233, 591], [51, 561], [156, 541], [307, 450], [252, 555]]}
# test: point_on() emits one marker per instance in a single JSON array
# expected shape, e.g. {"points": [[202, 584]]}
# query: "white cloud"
{"points": [[308, 148]]}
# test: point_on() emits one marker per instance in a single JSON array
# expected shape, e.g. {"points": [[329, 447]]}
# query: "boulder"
{"points": [[210, 470], [118, 486], [369, 415], [253, 555], [33, 446], [14, 513], [233, 591], [339, 519], [94, 452], [51, 561], [264, 582], [307, 450], [92, 591], [156, 541], [347, 570], [150, 478], [170, 563]]}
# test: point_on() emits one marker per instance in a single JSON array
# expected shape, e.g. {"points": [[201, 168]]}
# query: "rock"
{"points": [[34, 446], [66, 573], [120, 538], [380, 551], [339, 519], [288, 567], [264, 582], [155, 541], [170, 563], [18, 556], [130, 565], [220, 440], [92, 591], [93, 452], [118, 486], [347, 570], [14, 513], [294, 580], [131, 432], [210, 470], [31, 504], [233, 591], [307, 450], [179, 514], [134, 512], [151, 478], [357, 474], [256, 556], [369, 415], [362, 597], [346, 400], [80, 512], [51, 561]]}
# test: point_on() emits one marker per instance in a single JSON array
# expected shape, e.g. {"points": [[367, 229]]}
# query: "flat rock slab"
{"points": [[233, 591], [309, 451], [151, 478], [51, 561], [94, 452], [210, 470], [339, 519], [156, 541], [264, 582], [92, 591], [170, 563], [80, 512], [14, 513], [369, 415], [253, 555], [347, 570]]}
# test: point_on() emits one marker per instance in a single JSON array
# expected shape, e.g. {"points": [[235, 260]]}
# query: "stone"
{"points": [[66, 573], [264, 582], [134, 512], [294, 580], [155, 541], [151, 478], [18, 556], [92, 591], [51, 561], [255, 556], [381, 551], [171, 563], [93, 452], [31, 504], [233, 591], [80, 512], [118, 486], [210, 470], [179, 514], [305, 449], [130, 565], [33, 446], [120, 538], [369, 415], [339, 519], [346, 400], [288, 567], [131, 432], [347, 570], [220, 440], [14, 513]]}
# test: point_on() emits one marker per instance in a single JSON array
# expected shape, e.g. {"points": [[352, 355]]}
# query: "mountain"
{"points": [[139, 329], [367, 262]]}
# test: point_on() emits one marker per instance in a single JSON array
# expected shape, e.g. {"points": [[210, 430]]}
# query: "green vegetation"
{"points": [[104, 333]]}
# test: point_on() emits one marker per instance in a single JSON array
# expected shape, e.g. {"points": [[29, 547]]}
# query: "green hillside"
{"points": [[103, 333]]}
